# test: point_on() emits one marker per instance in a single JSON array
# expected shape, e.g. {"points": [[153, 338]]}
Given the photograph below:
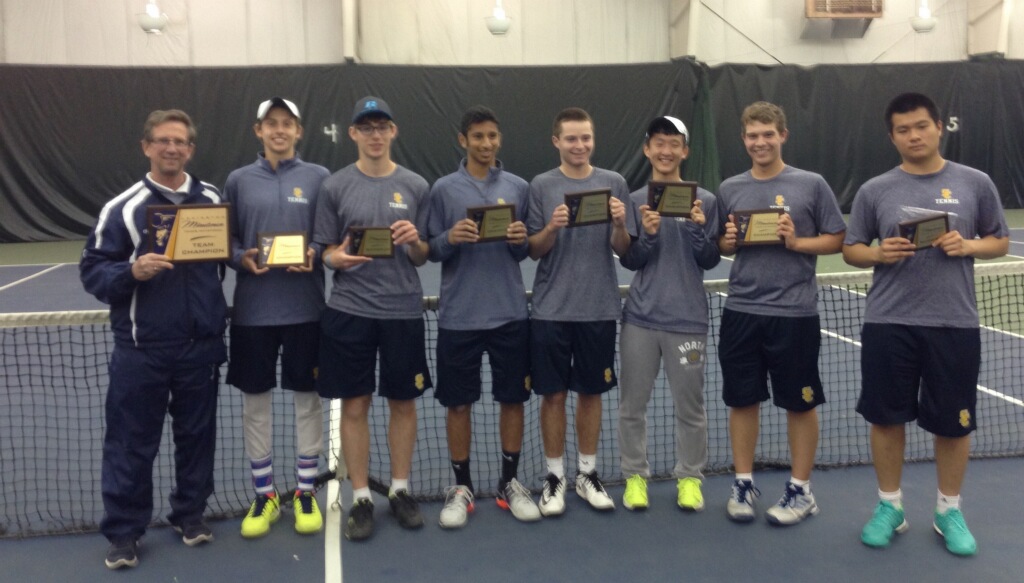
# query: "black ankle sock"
{"points": [[461, 469]]}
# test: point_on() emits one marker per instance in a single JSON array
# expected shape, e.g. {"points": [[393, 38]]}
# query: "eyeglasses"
{"points": [[168, 142], [370, 129]]}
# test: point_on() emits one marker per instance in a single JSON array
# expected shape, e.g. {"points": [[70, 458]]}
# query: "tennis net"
{"points": [[55, 379]]}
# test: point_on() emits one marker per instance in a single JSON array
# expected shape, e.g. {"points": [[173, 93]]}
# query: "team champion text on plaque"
{"points": [[195, 232]]}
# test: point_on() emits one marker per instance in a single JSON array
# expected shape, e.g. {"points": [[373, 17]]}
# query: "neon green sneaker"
{"points": [[885, 522], [308, 519], [688, 494], [635, 496], [952, 527], [265, 510]]}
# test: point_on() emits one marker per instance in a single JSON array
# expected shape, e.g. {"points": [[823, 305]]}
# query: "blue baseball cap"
{"points": [[370, 105]]}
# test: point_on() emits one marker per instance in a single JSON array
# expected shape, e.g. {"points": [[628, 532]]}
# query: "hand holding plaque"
{"points": [[923, 232], [589, 207], [190, 233], [757, 227], [671, 199], [373, 242], [284, 249], [492, 222]]}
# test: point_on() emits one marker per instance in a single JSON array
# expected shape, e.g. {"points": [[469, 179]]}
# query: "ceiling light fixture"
{"points": [[498, 23], [924, 21], [152, 20]]}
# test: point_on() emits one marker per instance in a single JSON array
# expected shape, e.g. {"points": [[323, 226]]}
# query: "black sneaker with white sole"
{"points": [[123, 552]]}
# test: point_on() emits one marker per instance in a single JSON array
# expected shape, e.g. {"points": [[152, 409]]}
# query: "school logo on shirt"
{"points": [[965, 418], [418, 381], [692, 353], [780, 203], [501, 201], [297, 196], [398, 204], [807, 393], [947, 197]]}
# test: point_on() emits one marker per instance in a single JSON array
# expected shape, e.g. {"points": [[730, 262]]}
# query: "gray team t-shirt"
{"points": [[771, 280], [667, 292], [930, 288], [576, 280], [382, 288]]}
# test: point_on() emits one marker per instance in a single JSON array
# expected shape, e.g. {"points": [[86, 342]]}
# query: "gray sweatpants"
{"points": [[642, 352]]}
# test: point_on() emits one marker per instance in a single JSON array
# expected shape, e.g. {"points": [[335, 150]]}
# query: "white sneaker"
{"points": [[741, 503], [517, 499], [794, 506], [458, 504], [590, 488], [552, 497]]}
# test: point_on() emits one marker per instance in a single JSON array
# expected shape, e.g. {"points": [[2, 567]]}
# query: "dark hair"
{"points": [[161, 116], [569, 114], [477, 114], [907, 102], [766, 113]]}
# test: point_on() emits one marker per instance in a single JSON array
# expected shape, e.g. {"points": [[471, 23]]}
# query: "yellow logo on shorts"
{"points": [[316, 372], [965, 418], [808, 394], [607, 375], [419, 381], [528, 383], [297, 192]]}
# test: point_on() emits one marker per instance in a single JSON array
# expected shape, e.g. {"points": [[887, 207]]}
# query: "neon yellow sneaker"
{"points": [[308, 519], [689, 496], [265, 510], [635, 496]]}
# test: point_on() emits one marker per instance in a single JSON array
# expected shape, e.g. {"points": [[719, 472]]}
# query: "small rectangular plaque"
{"points": [[671, 199], [492, 221], [589, 207], [923, 232], [283, 249], [758, 227], [371, 242]]}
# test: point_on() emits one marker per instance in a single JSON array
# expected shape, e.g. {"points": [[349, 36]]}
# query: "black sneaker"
{"points": [[194, 533], [405, 509], [360, 520], [123, 552]]}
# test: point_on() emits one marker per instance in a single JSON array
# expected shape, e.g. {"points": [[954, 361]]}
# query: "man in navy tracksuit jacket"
{"points": [[168, 322]]}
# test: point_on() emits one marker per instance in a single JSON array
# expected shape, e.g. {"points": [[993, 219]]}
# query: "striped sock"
{"points": [[263, 475], [305, 472]]}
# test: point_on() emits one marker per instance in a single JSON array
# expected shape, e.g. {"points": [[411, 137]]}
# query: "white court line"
{"points": [[981, 388], [332, 525], [33, 276]]}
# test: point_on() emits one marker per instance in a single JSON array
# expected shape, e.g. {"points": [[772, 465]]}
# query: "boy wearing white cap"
{"points": [[276, 310], [665, 322]]}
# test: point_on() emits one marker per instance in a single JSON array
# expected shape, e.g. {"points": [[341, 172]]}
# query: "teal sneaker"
{"points": [[951, 526], [885, 522]]}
